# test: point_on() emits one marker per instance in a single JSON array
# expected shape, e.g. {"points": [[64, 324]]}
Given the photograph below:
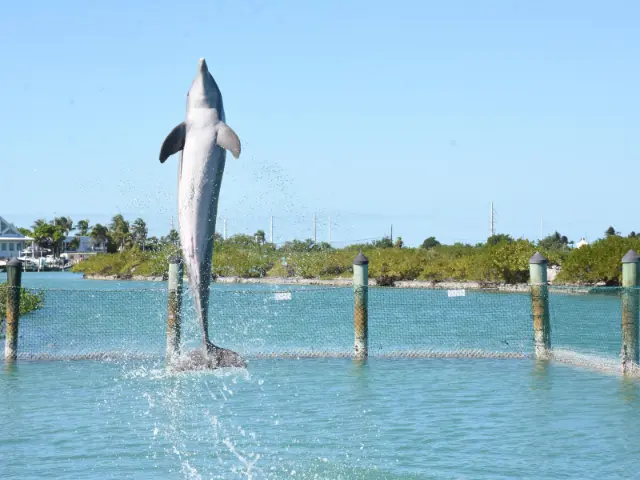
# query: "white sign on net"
{"points": [[456, 293], [282, 296]]}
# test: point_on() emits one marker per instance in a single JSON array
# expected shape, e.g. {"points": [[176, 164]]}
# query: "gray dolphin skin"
{"points": [[202, 139]]}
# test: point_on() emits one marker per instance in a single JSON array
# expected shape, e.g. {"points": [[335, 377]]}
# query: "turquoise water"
{"points": [[318, 418], [83, 317], [323, 418]]}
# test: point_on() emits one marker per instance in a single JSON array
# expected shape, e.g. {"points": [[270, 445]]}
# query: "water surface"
{"points": [[314, 418]]}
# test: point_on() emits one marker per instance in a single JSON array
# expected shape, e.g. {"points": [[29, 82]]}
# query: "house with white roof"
{"points": [[582, 243], [79, 248], [12, 242]]}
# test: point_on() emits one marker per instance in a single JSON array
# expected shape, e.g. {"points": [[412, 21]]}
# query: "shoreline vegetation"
{"points": [[499, 263], [29, 302], [329, 282], [347, 282]]}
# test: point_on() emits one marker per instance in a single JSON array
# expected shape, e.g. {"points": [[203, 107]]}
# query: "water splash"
{"points": [[192, 419]]}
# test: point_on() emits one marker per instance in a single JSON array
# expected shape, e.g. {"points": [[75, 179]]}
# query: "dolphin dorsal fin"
{"points": [[228, 139], [174, 142]]}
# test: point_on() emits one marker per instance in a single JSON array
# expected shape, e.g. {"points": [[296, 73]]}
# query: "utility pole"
{"points": [[224, 229], [315, 237], [172, 230], [492, 221], [392, 233], [271, 229]]}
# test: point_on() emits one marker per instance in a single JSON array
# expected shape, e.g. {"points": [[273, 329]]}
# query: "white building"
{"points": [[582, 243], [86, 248], [12, 242]]}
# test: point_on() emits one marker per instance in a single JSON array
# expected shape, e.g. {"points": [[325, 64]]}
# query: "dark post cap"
{"points": [[175, 259], [14, 263], [361, 260], [630, 257], [538, 258]]}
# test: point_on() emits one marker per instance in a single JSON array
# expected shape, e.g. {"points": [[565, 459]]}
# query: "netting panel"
{"points": [[94, 323], [299, 321], [588, 323], [424, 321], [296, 321]]}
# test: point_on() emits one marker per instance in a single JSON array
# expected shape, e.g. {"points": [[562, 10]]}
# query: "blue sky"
{"points": [[416, 114]]}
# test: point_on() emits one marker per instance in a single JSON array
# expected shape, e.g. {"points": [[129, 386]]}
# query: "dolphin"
{"points": [[202, 140]]}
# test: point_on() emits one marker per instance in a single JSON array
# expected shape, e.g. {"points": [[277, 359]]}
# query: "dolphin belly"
{"points": [[202, 167], [202, 140]]}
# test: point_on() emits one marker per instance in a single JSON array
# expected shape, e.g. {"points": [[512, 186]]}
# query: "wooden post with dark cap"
{"points": [[540, 305], [361, 308], [630, 303], [14, 286]]}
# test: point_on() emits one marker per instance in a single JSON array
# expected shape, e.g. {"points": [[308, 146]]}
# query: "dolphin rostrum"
{"points": [[202, 139]]}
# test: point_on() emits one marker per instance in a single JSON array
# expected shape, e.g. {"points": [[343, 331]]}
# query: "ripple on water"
{"points": [[318, 418]]}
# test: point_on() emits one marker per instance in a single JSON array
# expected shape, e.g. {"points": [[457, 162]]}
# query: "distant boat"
{"points": [[30, 251], [31, 263]]}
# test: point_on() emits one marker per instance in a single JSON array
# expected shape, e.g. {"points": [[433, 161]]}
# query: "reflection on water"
{"points": [[629, 389], [540, 375], [10, 369]]}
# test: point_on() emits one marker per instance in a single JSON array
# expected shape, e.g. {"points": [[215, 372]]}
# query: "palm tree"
{"points": [[99, 234], [153, 243], [43, 233], [38, 223], [172, 239], [65, 224], [139, 232], [611, 232], [120, 231], [260, 236], [83, 227], [62, 227]]}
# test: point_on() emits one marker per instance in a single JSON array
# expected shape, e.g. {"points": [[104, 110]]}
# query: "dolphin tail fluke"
{"points": [[227, 139], [223, 357], [174, 142]]}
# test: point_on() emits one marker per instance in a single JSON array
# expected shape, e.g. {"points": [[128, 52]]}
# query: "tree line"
{"points": [[501, 258], [121, 234], [118, 235]]}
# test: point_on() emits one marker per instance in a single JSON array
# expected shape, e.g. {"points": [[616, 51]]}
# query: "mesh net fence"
{"points": [[443, 322], [318, 321], [586, 322]]}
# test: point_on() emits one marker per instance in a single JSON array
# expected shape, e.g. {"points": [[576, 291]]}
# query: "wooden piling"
{"points": [[174, 307], [14, 284], [361, 308], [629, 353], [540, 305]]}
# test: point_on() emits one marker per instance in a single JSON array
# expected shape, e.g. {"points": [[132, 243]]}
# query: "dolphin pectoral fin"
{"points": [[228, 139], [174, 142]]}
